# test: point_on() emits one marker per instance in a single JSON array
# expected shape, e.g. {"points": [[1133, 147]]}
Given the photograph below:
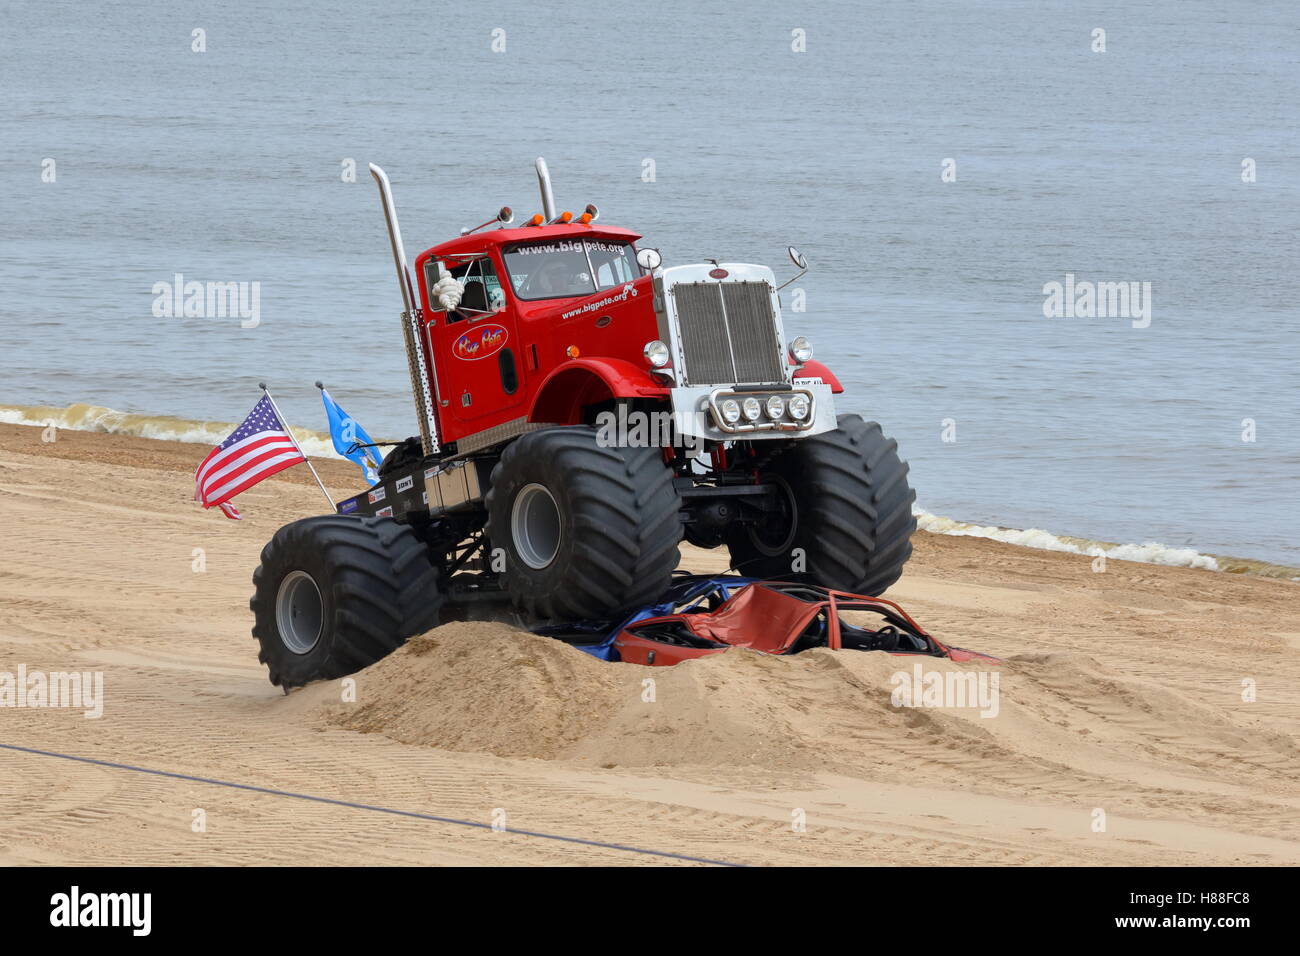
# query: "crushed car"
{"points": [[701, 615]]}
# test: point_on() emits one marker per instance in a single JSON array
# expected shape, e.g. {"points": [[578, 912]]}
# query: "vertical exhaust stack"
{"points": [[544, 184], [411, 324], [395, 237]]}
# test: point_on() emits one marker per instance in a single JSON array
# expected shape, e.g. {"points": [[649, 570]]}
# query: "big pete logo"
{"points": [[481, 342], [75, 908]]}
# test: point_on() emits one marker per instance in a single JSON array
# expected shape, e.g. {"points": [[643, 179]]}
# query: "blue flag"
{"points": [[346, 434]]}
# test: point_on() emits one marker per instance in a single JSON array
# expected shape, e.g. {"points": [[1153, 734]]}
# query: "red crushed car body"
{"points": [[780, 618]]}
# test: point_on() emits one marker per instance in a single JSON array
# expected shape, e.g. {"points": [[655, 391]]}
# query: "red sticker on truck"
{"points": [[480, 343]]}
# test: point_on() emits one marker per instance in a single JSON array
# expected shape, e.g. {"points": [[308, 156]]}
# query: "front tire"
{"points": [[334, 594], [845, 510], [587, 530]]}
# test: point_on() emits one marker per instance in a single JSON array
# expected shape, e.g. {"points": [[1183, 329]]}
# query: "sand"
{"points": [[1121, 698]]}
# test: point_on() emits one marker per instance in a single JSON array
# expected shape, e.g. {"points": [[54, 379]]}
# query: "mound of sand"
{"points": [[492, 689], [483, 688]]}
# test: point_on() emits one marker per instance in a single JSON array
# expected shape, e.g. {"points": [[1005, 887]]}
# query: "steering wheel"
{"points": [[888, 638], [557, 274]]}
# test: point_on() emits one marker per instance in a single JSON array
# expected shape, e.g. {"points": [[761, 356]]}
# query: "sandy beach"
{"points": [[1121, 695]]}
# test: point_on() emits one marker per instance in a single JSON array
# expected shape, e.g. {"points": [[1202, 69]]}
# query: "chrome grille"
{"points": [[728, 332]]}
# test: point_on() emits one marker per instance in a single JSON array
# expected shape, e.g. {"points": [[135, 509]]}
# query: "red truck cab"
{"points": [[554, 318]]}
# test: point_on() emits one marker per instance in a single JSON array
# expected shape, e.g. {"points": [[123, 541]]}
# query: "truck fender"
{"points": [[812, 369], [581, 382]]}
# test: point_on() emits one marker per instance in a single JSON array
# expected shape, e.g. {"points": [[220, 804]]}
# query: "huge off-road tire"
{"points": [[334, 594], [847, 508], [587, 530]]}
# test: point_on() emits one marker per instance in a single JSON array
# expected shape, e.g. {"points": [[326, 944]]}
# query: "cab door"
{"points": [[477, 348]]}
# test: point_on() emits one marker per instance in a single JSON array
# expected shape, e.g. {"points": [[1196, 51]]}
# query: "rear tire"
{"points": [[587, 530], [849, 508], [334, 594]]}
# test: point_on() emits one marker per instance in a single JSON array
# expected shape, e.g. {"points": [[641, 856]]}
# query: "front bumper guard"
{"points": [[696, 412]]}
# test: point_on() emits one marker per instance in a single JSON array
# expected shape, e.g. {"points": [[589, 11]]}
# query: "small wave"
{"points": [[1150, 552], [97, 418]]}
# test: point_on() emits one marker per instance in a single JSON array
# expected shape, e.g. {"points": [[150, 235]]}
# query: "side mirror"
{"points": [[800, 262], [649, 259], [504, 215]]}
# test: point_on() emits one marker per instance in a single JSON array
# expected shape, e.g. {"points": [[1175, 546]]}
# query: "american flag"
{"points": [[257, 449]]}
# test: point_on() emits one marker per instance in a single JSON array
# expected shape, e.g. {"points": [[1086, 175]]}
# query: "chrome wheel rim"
{"points": [[299, 612], [535, 526]]}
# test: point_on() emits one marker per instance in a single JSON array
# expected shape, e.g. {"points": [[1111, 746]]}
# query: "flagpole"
{"points": [[288, 431]]}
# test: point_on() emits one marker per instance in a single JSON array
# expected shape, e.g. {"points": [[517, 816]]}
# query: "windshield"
{"points": [[569, 267]]}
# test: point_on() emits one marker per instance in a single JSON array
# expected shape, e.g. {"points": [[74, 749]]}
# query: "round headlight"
{"points": [[800, 349], [799, 407], [775, 406], [753, 408], [730, 411], [656, 353]]}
